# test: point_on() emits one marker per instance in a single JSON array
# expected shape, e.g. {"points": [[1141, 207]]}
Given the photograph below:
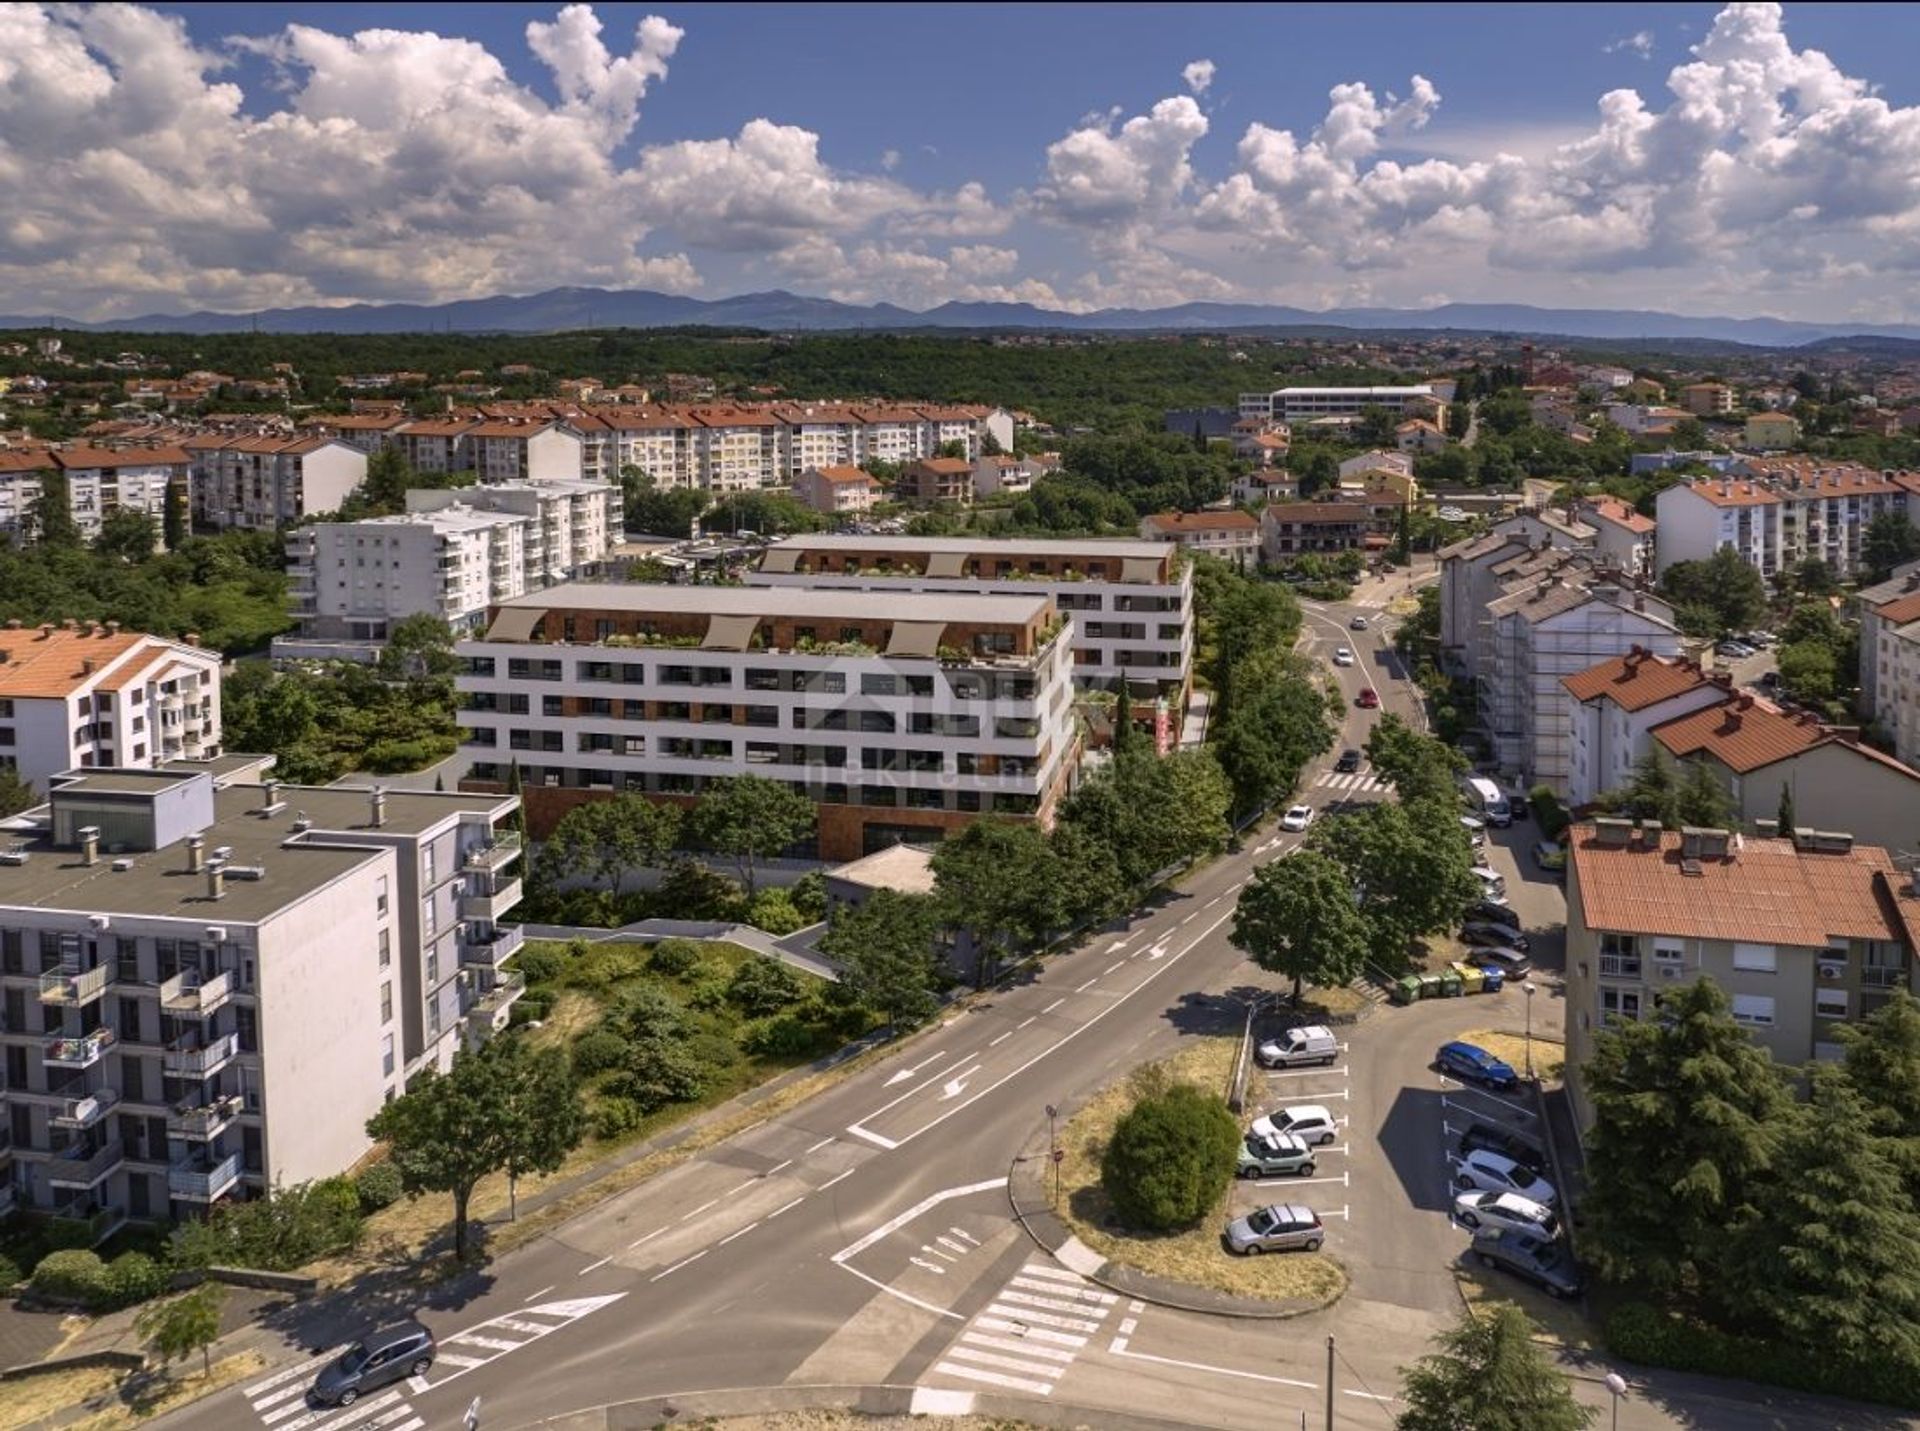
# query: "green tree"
{"points": [[50, 514], [544, 1117], [749, 818], [1809, 671], [1489, 1376], [1170, 1158], [1701, 800], [996, 880], [1092, 886], [1123, 731], [418, 647], [1410, 863], [181, 1326], [389, 477], [1783, 816], [1688, 1112], [1831, 1256], [1652, 791], [1417, 766], [175, 523], [1275, 727], [669, 513], [447, 1131], [607, 839], [888, 951], [126, 536], [1812, 576], [1319, 472], [1891, 540], [1403, 535], [1296, 917], [1883, 1064], [15, 794], [1724, 585]]}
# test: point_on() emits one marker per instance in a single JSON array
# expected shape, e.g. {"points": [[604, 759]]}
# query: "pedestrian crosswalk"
{"points": [[1357, 783], [280, 1400], [1031, 1332]]}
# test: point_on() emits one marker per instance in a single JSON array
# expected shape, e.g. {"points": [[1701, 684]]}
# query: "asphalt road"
{"points": [[863, 1239]]}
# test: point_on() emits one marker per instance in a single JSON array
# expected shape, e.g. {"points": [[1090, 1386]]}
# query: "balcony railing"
{"points": [[492, 949], [504, 848], [85, 1112], [506, 987], [1880, 976], [490, 906], [191, 994], [200, 1181], [74, 989], [81, 1167], [83, 1224], [195, 1058], [82, 1051], [1619, 966], [199, 1124]]}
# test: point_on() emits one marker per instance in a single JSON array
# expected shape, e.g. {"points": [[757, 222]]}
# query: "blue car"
{"points": [[1475, 1065]]}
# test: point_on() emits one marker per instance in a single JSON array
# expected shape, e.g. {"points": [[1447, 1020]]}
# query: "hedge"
{"points": [[1641, 1333]]}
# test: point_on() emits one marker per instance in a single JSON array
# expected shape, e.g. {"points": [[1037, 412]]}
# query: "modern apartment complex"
{"points": [[1776, 512], [1132, 602], [571, 523], [903, 715], [230, 979], [76, 696], [259, 482], [1806, 931], [1293, 405]]}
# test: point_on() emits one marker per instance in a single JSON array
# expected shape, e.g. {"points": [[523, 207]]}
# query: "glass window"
{"points": [[380, 897], [386, 1002], [1755, 1010], [1755, 958], [386, 948]]}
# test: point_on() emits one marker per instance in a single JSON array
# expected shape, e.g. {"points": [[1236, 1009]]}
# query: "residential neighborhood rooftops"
{"points": [[83, 458], [1612, 509], [1743, 734], [1318, 512], [1176, 522], [1636, 680], [983, 546]]}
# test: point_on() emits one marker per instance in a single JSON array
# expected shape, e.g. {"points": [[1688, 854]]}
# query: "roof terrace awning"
{"points": [[780, 560], [515, 623], [915, 638], [946, 564], [729, 633], [1144, 571]]}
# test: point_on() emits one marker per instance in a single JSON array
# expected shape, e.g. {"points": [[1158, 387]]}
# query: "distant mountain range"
{"points": [[562, 309]]}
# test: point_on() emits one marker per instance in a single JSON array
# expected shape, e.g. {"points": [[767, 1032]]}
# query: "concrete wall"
{"points": [[1835, 788], [328, 476]]}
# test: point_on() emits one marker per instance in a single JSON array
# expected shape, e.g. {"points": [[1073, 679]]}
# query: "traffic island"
{"points": [[1064, 1208]]}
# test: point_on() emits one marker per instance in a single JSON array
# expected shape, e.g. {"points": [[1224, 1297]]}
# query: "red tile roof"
{"points": [[82, 458], [1620, 514], [51, 665], [1636, 680], [1743, 733], [1175, 522], [1900, 610]]}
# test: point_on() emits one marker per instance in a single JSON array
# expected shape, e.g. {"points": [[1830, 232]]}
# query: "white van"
{"points": [[1493, 886], [1487, 800]]}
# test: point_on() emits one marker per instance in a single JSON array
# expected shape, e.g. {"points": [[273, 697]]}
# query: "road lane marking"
{"points": [[872, 1137], [648, 1238], [1368, 1396], [1054, 1005], [1117, 963], [788, 1207], [777, 1167], [511, 1325], [741, 1233], [1044, 1319], [1054, 1289], [1299, 1182], [902, 1075], [926, 1204], [700, 1209], [541, 1293], [818, 1146], [1002, 1039], [678, 1265], [455, 1359], [963, 1352], [1088, 985], [1119, 1348], [1058, 1274], [838, 1178], [934, 1401], [1032, 1334], [312, 1363], [1052, 1304], [312, 1418], [1027, 1020], [1015, 1383]]}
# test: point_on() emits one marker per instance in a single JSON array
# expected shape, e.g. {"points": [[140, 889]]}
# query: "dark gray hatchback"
{"points": [[388, 1355]]}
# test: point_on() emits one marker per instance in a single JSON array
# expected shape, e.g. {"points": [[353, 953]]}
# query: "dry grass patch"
{"points": [[859, 1421], [1554, 1321], [37, 1400], [1549, 1055], [1342, 1002], [1195, 1256], [572, 1014]]}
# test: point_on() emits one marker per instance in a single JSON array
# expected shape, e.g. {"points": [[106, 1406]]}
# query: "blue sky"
{"points": [[229, 157]]}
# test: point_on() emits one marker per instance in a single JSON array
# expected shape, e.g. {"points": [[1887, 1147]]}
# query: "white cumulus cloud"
{"points": [[1640, 42], [1198, 76]]}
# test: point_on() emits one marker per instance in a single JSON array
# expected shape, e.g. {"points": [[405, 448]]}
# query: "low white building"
{"points": [[1302, 404], [574, 523], [1377, 460]]}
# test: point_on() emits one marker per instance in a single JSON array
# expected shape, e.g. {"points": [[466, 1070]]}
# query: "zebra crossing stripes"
{"points": [[1356, 783], [1037, 1324]]}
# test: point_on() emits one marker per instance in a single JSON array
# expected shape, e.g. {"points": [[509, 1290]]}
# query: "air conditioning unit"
{"points": [[1669, 971], [1833, 971]]}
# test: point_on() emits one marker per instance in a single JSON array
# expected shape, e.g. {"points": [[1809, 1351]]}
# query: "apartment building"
{"points": [[1291, 529], [737, 449], [1806, 931], [1231, 536], [652, 441], [1302, 404], [1259, 487], [817, 436], [833, 491], [22, 478], [366, 432], [1131, 601], [1890, 659], [102, 481], [1376, 460], [515, 450], [1620, 534], [1418, 435], [902, 715], [1613, 707], [259, 482], [936, 479], [1771, 431], [91, 695], [231, 978], [572, 526], [1776, 512], [995, 476], [1707, 399]]}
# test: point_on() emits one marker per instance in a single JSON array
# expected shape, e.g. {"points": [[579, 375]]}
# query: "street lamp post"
{"points": [[1617, 1385], [1053, 1153], [1528, 986]]}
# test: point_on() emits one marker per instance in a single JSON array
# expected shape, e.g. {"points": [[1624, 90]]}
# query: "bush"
{"points": [[278, 1233], [604, 965], [773, 911], [1548, 811], [707, 988], [763, 986], [598, 1050], [1170, 1159], [676, 958], [10, 1275], [531, 1007], [134, 1277], [75, 1274], [691, 890], [542, 963], [378, 1186], [660, 1071], [786, 1036], [615, 1117], [808, 895]]}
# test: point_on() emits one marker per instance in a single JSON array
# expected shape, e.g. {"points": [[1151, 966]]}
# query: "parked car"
{"points": [[1368, 699], [1508, 959], [1492, 913], [1284, 1227], [1358, 623], [1506, 1212], [1489, 932], [1343, 657], [1474, 1064], [1297, 819], [1280, 1155], [1348, 762], [1549, 855], [1757, 639], [1310, 1043], [1452, 514], [1476, 829], [1545, 1264], [1492, 1138], [390, 1354], [1768, 680], [1734, 650], [1309, 1122], [1494, 1173]]}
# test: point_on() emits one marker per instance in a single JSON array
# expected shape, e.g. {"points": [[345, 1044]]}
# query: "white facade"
{"points": [[261, 483], [1890, 659], [1777, 517], [1607, 737], [572, 524], [82, 696], [100, 482], [525, 452], [1377, 461], [1302, 404]]}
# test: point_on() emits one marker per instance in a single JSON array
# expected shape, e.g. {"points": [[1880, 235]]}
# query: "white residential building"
{"points": [[261, 483], [835, 491], [902, 715], [228, 979], [1620, 534], [1294, 405], [573, 524], [1376, 460], [366, 432], [76, 696], [1890, 659], [1776, 512], [102, 481], [1612, 707], [1232, 536], [654, 441], [1131, 602]]}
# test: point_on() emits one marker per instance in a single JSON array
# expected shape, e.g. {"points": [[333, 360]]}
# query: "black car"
{"points": [[1495, 914], [1494, 1139], [1545, 1264], [380, 1358], [1348, 762]]}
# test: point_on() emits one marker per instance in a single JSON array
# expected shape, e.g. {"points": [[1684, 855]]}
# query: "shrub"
{"points": [[10, 1275], [604, 965], [660, 1071], [1548, 811], [1170, 1158], [808, 895], [615, 1117], [598, 1050], [773, 911], [542, 963], [763, 986], [531, 1007], [134, 1277], [73, 1273], [708, 991], [378, 1186], [278, 1233], [785, 1036], [676, 958], [691, 890]]}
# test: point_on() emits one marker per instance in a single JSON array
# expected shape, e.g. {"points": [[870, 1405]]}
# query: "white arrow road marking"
{"points": [[958, 1083], [904, 1074], [1159, 951]]}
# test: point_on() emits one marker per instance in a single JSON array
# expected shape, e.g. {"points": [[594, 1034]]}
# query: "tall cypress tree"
{"points": [[174, 527], [1784, 816], [1123, 721]]}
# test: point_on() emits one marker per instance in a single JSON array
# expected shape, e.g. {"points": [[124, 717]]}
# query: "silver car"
{"points": [[1506, 1212], [1495, 1173], [1284, 1227]]}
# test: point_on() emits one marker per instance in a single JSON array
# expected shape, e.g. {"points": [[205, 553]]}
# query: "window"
{"points": [[386, 1002], [1667, 952], [386, 1056], [380, 897], [1755, 958], [1616, 1004], [881, 685], [386, 948], [1831, 1003], [1754, 1010]]}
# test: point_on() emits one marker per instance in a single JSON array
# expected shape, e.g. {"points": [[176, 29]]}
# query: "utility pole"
{"points": [[1329, 1383]]}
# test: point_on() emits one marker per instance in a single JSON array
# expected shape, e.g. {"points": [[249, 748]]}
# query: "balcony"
{"points": [[494, 948], [1878, 976], [199, 1180], [1619, 966], [193, 1057], [83, 1223], [197, 1125], [497, 854], [84, 1112], [190, 994], [490, 906], [82, 1051], [73, 990], [82, 1167], [507, 986]]}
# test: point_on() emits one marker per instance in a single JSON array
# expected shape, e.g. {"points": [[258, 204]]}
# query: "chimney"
{"points": [[216, 879], [1766, 829], [46, 630], [192, 638], [89, 844], [195, 845], [378, 800], [88, 666], [270, 794]]}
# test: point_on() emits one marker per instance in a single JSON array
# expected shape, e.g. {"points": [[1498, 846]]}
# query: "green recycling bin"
{"points": [[1406, 989], [1429, 986], [1450, 986]]}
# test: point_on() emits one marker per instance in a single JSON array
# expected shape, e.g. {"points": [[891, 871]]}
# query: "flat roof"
{"points": [[782, 601], [907, 869], [157, 883], [1418, 390], [1038, 546]]}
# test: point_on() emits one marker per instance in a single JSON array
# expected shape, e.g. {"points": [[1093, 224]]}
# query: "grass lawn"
{"points": [[37, 1400], [1195, 1256], [1549, 1054], [1559, 1322]]}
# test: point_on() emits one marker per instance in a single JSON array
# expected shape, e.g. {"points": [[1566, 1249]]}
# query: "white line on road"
{"points": [[1368, 1396], [359, 1410], [1054, 1005], [788, 1207], [688, 1217], [818, 1146], [1027, 1020], [1300, 1182], [776, 1168], [1111, 967], [1015, 1383], [1002, 1039], [743, 1186], [741, 1233], [312, 1363], [678, 1265], [596, 1266], [541, 1293], [648, 1238], [1014, 1344], [902, 1075], [537, 1328], [986, 1358], [465, 1363], [1052, 1304], [876, 1139], [1086, 986], [1032, 1334], [1044, 1319], [894, 1224], [490, 1343], [837, 1178], [1119, 1348], [1126, 1327]]}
